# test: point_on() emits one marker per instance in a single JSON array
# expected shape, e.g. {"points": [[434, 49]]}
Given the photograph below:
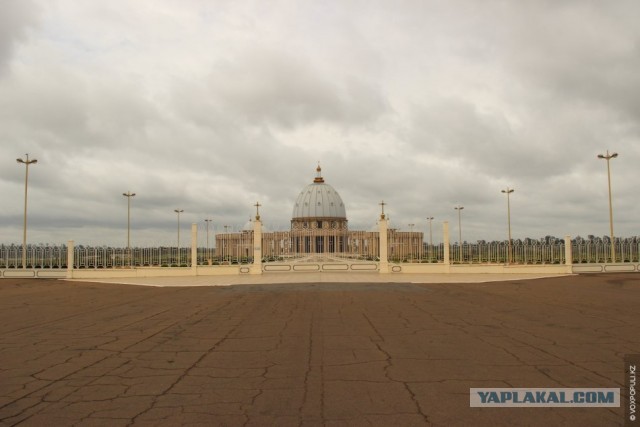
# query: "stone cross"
{"points": [[382, 204], [257, 205]]}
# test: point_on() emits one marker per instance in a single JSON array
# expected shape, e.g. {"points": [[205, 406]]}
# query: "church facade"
{"points": [[319, 231]]}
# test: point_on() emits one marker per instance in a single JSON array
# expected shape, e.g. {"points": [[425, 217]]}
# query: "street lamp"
{"points": [[129, 195], [507, 192], [411, 241], [459, 209], [26, 162], [430, 218], [178, 211], [608, 157], [208, 255]]}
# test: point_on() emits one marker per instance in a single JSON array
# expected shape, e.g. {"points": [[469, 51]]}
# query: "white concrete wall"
{"points": [[480, 268], [224, 270], [201, 270]]}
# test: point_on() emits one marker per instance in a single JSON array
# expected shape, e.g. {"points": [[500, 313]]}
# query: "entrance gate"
{"points": [[321, 264]]}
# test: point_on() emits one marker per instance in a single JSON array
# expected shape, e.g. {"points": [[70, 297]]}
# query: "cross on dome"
{"points": [[257, 205], [319, 178]]}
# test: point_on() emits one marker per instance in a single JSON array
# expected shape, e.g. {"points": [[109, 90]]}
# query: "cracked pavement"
{"points": [[312, 354]]}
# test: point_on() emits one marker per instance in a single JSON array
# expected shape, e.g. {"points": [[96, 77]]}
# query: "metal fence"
{"points": [[237, 248], [38, 256], [109, 257], [546, 251], [231, 248], [309, 245], [598, 251], [414, 251], [498, 253]]}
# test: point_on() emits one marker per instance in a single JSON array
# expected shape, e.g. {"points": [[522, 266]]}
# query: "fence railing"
{"points": [[231, 248], [498, 253], [417, 252], [109, 257], [600, 252], [553, 252], [38, 256], [304, 245], [236, 248]]}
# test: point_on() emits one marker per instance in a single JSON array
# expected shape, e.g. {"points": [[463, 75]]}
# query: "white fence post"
{"points": [[194, 248], [256, 267], [70, 260], [445, 242], [568, 256], [383, 227]]}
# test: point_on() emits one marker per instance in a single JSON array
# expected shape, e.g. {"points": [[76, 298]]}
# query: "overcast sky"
{"points": [[210, 106]]}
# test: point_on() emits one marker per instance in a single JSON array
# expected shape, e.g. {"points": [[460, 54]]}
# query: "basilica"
{"points": [[319, 230]]}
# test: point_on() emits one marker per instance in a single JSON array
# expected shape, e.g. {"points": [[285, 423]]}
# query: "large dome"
{"points": [[319, 200]]}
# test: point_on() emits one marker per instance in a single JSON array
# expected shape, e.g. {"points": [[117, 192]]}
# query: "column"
{"points": [[445, 242], [256, 267], [568, 254], [383, 227], [70, 260], [194, 248]]}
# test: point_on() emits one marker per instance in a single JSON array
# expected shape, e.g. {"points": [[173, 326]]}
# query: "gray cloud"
{"points": [[264, 87], [425, 105], [16, 17]]}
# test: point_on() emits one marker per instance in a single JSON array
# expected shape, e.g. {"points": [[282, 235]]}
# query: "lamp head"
{"points": [[28, 162]]}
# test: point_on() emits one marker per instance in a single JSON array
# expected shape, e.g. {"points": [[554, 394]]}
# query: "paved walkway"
{"points": [[309, 354], [324, 277]]}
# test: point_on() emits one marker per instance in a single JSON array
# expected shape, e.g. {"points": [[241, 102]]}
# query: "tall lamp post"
{"points": [[430, 218], [178, 211], [129, 195], [507, 192], [208, 255], [608, 157], [26, 162], [459, 209]]}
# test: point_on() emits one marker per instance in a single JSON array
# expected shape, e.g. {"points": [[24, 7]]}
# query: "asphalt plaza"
{"points": [[309, 354]]}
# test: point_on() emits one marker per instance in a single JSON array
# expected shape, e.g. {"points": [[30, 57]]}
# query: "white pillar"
{"points": [[70, 260], [383, 227], [568, 254], [256, 267], [194, 248], [445, 242]]}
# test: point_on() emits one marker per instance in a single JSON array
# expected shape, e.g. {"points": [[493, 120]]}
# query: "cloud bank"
{"points": [[210, 107]]}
